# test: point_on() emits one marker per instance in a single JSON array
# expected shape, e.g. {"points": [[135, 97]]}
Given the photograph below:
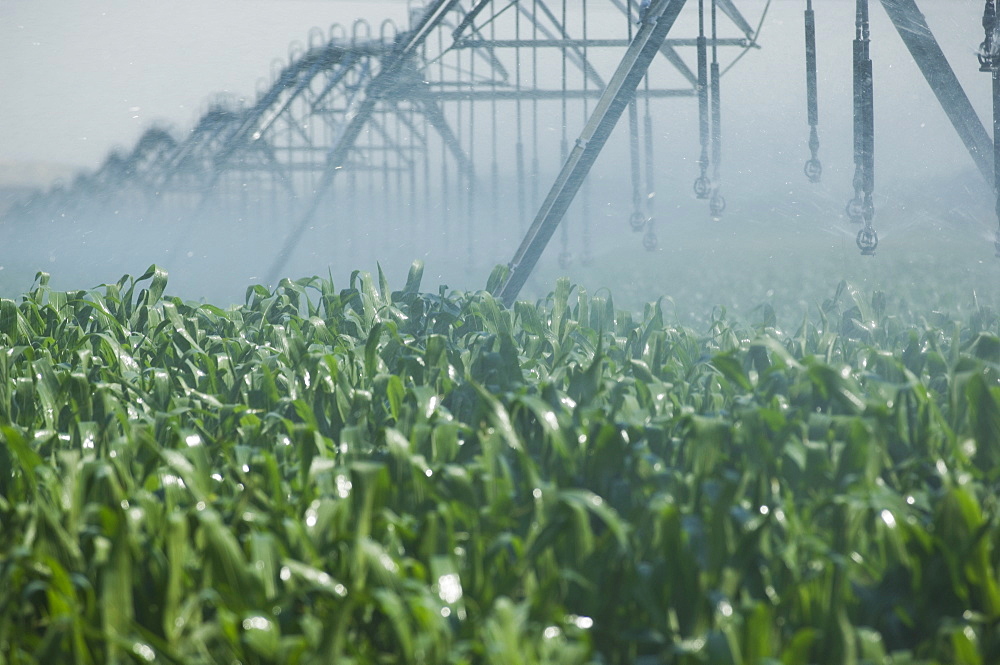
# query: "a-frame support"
{"points": [[920, 41], [656, 23], [906, 18], [395, 71]]}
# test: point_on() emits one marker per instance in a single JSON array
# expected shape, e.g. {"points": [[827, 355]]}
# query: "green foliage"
{"points": [[369, 475]]}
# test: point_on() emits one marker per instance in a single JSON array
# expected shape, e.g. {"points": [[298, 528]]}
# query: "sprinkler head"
{"points": [[813, 170], [867, 241], [855, 209], [717, 206], [637, 221], [702, 187], [987, 60], [565, 260], [649, 241]]}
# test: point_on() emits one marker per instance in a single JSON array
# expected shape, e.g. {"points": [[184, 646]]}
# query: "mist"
{"points": [[81, 79]]}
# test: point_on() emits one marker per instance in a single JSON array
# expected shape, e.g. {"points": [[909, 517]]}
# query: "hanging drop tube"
{"points": [[649, 241], [813, 168], [656, 23], [854, 207], [702, 187], [637, 221], [988, 62], [996, 150], [716, 203], [862, 207]]}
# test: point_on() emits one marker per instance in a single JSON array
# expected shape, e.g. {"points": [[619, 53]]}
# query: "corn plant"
{"points": [[368, 475]]}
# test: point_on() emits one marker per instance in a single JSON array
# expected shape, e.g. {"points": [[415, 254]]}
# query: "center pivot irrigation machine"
{"points": [[452, 126]]}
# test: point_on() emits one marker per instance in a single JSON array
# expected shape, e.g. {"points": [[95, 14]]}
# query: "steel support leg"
{"points": [[657, 23], [917, 36]]}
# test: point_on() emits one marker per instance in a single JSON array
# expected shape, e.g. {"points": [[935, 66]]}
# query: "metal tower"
{"points": [[452, 129]]}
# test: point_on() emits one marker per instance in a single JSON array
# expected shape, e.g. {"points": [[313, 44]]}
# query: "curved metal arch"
{"points": [[338, 33], [316, 37], [388, 28], [356, 34], [347, 103]]}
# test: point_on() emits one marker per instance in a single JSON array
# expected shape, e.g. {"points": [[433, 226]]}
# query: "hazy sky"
{"points": [[80, 77]]}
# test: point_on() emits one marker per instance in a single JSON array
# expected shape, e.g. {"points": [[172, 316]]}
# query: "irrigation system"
{"points": [[455, 118]]}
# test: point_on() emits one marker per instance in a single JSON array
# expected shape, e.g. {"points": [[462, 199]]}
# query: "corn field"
{"points": [[376, 476]]}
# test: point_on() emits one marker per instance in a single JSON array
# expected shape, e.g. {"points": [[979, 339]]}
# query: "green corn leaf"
{"points": [[414, 277], [27, 459], [498, 276], [731, 368]]}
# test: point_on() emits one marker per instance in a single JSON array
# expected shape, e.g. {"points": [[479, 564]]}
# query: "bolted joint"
{"points": [[813, 140], [868, 209], [986, 55], [987, 63]]}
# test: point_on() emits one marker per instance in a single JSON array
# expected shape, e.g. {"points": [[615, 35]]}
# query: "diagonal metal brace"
{"points": [[918, 38], [730, 10], [621, 89], [394, 72], [439, 122]]}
